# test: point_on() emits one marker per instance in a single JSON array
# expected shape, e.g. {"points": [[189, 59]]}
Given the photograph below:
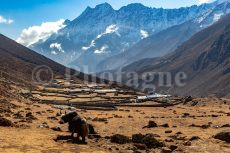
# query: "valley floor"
{"points": [[187, 127], [209, 114]]}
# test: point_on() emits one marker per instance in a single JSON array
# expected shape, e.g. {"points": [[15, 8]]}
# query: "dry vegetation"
{"points": [[29, 123]]}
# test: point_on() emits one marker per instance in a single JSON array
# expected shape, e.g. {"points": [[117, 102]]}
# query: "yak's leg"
{"points": [[78, 136], [83, 139], [72, 135]]}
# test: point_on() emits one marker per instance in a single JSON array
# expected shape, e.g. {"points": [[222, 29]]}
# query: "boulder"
{"points": [[5, 122], [149, 140], [151, 124], [224, 136]]}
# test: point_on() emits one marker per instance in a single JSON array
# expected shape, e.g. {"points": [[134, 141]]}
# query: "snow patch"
{"points": [[110, 29], [102, 50], [53, 52], [217, 17], [144, 34], [92, 44]]}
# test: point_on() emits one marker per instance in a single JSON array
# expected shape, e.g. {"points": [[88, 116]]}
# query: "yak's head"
{"points": [[68, 117]]}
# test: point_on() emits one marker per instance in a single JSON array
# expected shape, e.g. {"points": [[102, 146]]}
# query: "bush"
{"points": [[149, 140], [120, 139]]}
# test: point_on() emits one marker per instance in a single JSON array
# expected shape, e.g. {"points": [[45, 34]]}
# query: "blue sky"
{"points": [[16, 15]]}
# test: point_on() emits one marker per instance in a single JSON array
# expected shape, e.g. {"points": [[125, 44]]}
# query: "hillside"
{"points": [[18, 62], [204, 59]]}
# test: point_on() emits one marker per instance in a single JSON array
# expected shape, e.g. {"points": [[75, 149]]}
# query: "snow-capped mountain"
{"points": [[166, 41], [102, 32]]}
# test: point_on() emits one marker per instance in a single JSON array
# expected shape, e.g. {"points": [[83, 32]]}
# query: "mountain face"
{"points": [[102, 32], [166, 41], [205, 59]]}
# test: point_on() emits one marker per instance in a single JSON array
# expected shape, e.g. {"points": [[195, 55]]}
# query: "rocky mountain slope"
{"points": [[204, 59], [102, 32], [17, 64], [167, 40]]}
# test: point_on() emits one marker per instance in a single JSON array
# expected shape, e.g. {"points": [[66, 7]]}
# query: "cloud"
{"points": [[42, 32], [57, 46], [204, 1], [144, 34], [6, 21]]}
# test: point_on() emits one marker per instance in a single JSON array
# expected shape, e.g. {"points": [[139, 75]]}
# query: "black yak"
{"points": [[77, 124]]}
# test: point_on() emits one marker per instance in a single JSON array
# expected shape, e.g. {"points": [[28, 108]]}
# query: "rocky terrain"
{"points": [[29, 124], [35, 92]]}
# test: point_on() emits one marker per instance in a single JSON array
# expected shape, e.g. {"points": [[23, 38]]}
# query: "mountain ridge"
{"points": [[101, 32], [204, 58]]}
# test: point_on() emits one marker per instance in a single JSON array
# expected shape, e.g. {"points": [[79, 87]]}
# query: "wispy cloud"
{"points": [[6, 21], [57, 46], [42, 32]]}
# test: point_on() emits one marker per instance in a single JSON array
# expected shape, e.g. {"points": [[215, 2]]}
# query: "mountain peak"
{"points": [[67, 22], [104, 6], [135, 6]]}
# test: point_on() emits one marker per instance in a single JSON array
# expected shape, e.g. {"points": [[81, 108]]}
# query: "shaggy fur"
{"points": [[77, 124]]}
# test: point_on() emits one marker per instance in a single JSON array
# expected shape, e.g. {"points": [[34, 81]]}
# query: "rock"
{"points": [[187, 143], [94, 136], [56, 128], [120, 139], [18, 115], [100, 119], [166, 150], [194, 138], [213, 115], [179, 133], [225, 125], [169, 140], [130, 116], [140, 146], [186, 115], [173, 147], [58, 114], [224, 136], [52, 118], [5, 122], [188, 99], [151, 124], [30, 116], [205, 126], [149, 140], [44, 125], [137, 138], [165, 125], [117, 116], [168, 131]]}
